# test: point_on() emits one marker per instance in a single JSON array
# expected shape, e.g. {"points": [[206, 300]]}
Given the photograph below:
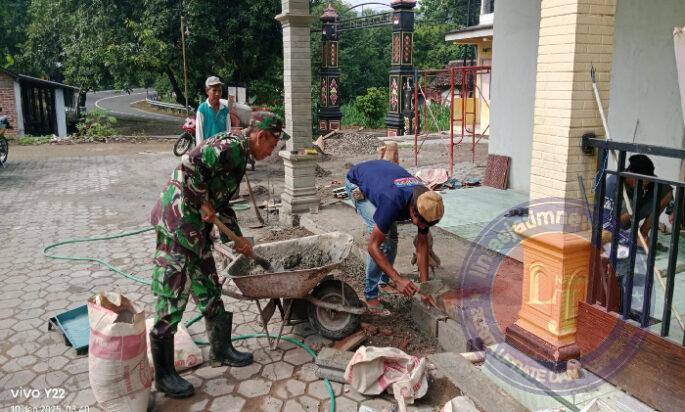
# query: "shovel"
{"points": [[228, 232]]}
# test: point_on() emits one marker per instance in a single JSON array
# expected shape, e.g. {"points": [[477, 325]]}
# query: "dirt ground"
{"points": [[342, 151]]}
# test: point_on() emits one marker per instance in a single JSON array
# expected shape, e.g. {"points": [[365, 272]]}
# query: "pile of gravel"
{"points": [[352, 143]]}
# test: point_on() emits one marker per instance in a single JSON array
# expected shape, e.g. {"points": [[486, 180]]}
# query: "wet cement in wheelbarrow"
{"points": [[307, 258]]}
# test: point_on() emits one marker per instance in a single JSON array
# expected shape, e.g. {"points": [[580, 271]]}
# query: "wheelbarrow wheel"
{"points": [[334, 324]]}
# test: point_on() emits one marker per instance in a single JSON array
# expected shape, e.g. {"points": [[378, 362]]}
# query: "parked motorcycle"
{"points": [[4, 147], [187, 138]]}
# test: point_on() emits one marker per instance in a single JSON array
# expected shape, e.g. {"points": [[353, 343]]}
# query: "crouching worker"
{"points": [[384, 193], [198, 192]]}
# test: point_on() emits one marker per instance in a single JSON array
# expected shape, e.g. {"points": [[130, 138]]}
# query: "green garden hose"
{"points": [[100, 261], [197, 317]]}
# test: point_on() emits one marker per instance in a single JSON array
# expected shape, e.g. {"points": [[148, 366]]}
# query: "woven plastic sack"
{"points": [[118, 367], [373, 370]]}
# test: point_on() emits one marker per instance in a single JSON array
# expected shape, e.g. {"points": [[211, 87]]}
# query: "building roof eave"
{"points": [[48, 83], [8, 73], [472, 32]]}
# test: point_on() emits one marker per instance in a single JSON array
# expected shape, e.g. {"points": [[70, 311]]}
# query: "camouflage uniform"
{"points": [[183, 261]]}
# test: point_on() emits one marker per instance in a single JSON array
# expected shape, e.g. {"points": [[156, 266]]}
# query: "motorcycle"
{"points": [[187, 139], [4, 147]]}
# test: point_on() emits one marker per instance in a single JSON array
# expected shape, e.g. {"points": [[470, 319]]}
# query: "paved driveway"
{"points": [[51, 193]]}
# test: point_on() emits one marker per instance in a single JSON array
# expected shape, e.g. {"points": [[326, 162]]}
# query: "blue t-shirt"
{"points": [[388, 186]]}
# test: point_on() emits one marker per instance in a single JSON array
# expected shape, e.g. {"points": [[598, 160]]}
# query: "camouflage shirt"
{"points": [[211, 172]]}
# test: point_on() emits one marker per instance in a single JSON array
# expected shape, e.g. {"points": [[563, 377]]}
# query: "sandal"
{"points": [[378, 310]]}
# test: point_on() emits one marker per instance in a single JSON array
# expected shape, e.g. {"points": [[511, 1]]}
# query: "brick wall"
{"points": [[574, 34], [9, 107]]}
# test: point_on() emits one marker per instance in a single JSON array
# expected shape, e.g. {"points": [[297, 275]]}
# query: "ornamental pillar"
{"points": [[329, 109], [401, 78]]}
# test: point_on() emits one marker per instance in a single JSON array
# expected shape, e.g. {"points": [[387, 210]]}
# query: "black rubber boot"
{"points": [[167, 380], [221, 350]]}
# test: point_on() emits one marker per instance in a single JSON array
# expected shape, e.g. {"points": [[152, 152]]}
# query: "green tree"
{"points": [[373, 105], [97, 44], [13, 22]]}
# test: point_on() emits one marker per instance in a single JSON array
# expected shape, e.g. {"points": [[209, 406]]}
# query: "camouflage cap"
{"points": [[269, 121]]}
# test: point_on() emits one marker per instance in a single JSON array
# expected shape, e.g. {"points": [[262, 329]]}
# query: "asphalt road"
{"points": [[118, 103]]}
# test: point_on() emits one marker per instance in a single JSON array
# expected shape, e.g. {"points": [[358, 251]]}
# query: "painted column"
{"points": [[19, 128], [574, 35], [60, 113], [329, 108], [299, 193], [401, 79]]}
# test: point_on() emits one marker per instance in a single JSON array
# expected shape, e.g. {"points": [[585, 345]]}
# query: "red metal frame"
{"points": [[465, 73]]}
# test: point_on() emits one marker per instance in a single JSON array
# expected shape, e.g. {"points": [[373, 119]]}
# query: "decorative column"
{"points": [[299, 193], [329, 109], [401, 79], [574, 34]]}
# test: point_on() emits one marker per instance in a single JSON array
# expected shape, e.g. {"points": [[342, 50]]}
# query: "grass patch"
{"points": [[28, 140], [441, 114], [351, 116]]}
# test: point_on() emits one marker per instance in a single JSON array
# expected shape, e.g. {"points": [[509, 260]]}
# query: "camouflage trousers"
{"points": [[179, 273]]}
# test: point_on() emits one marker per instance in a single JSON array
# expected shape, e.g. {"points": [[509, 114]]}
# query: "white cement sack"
{"points": [[186, 353], [372, 370], [118, 368]]}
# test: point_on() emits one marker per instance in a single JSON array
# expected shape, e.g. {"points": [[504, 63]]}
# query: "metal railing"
{"points": [[153, 99], [599, 290]]}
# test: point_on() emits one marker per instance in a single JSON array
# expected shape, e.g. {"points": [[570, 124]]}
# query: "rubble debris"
{"points": [[574, 369], [369, 328], [331, 364], [351, 342], [461, 404], [386, 331], [404, 343], [321, 172], [474, 357]]}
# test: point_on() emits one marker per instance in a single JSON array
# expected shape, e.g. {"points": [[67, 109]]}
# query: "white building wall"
{"points": [[514, 62], [644, 82]]}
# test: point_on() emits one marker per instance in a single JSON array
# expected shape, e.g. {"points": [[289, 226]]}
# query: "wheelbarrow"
{"points": [[301, 270]]}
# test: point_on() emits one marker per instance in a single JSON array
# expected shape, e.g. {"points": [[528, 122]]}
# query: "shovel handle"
{"points": [[225, 230], [231, 235]]}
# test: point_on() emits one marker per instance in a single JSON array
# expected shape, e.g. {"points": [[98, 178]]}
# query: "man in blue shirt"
{"points": [[383, 194], [213, 115]]}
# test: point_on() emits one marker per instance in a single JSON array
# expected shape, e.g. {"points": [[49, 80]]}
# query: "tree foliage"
{"points": [[99, 44], [13, 23]]}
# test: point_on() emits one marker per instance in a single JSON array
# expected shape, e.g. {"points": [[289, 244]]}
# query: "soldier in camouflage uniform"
{"points": [[199, 188]]}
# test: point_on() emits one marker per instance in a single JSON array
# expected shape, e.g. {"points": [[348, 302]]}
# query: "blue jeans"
{"points": [[374, 275]]}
